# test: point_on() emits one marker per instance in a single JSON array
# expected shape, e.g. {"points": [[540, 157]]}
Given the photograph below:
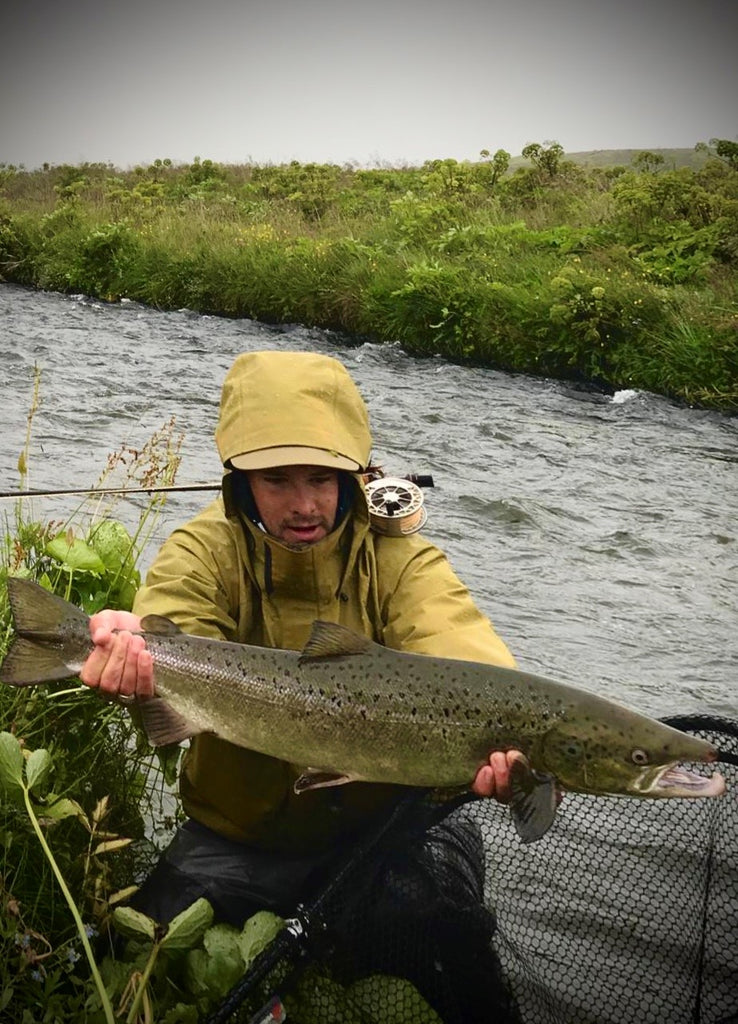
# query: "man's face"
{"points": [[297, 504]]}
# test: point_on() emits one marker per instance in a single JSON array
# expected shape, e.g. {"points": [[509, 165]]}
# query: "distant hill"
{"points": [[624, 158]]}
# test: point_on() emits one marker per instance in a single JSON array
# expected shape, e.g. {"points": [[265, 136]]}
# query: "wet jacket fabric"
{"points": [[221, 576]]}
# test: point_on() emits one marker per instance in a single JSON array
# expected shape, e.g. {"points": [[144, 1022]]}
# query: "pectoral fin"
{"points": [[314, 778], [533, 801], [162, 724]]}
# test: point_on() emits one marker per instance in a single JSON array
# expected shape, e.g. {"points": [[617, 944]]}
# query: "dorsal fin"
{"points": [[331, 640], [160, 625]]}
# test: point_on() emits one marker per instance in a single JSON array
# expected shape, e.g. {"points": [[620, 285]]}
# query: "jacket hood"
{"points": [[286, 408]]}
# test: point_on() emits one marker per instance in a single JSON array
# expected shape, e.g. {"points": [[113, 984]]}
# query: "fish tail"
{"points": [[52, 639], [28, 662]]}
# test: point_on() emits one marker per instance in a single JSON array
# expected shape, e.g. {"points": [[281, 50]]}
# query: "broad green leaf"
{"points": [[112, 542], [75, 554], [64, 808], [11, 761], [187, 928], [127, 591], [319, 999], [196, 971], [133, 923], [212, 972], [38, 767], [222, 973], [222, 940], [182, 1013], [257, 933], [400, 1001]]}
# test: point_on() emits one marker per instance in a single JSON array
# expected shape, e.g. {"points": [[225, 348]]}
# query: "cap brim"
{"points": [[269, 458]]}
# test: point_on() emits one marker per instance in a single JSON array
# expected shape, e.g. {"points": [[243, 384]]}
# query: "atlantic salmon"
{"points": [[351, 710]]}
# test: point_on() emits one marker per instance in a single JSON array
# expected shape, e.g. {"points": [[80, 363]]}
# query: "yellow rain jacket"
{"points": [[221, 576]]}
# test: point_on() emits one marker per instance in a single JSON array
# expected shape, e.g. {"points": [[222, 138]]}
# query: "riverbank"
{"points": [[617, 277]]}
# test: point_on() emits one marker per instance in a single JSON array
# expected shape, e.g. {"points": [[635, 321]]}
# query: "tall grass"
{"points": [[104, 785]]}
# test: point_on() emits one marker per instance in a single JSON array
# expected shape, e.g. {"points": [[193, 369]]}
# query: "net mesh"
{"points": [[626, 910]]}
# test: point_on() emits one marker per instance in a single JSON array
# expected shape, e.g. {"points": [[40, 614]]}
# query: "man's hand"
{"points": [[493, 779], [120, 665]]}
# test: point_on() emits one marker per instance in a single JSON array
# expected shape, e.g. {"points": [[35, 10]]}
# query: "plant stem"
{"points": [[107, 1008], [138, 998]]}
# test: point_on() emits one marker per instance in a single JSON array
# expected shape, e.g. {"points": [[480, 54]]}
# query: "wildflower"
{"points": [[72, 955], [90, 931], [597, 292], [561, 282]]}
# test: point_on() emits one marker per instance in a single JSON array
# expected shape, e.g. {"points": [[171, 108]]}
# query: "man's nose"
{"points": [[303, 499]]}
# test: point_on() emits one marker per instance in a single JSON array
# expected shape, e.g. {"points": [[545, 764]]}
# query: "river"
{"points": [[599, 533]]}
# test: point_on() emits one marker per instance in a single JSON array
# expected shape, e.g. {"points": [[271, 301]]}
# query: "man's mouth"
{"points": [[303, 531]]}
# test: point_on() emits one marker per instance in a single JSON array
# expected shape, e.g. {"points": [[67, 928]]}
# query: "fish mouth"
{"points": [[673, 780]]}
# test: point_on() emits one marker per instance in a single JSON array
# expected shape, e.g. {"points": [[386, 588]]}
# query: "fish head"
{"points": [[626, 754]]}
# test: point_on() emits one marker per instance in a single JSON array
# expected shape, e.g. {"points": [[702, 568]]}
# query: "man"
{"points": [[289, 542]]}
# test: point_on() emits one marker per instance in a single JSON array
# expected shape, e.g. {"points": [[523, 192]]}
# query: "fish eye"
{"points": [[639, 756]]}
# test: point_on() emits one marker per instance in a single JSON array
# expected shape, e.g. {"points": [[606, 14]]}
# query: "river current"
{"points": [[599, 533]]}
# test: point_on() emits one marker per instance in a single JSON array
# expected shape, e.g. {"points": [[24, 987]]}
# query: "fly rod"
{"points": [[422, 480], [112, 490]]}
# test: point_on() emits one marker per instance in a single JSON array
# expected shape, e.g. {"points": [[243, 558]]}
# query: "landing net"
{"points": [[627, 910]]}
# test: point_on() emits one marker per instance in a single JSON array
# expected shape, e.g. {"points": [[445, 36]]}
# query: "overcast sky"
{"points": [[365, 81]]}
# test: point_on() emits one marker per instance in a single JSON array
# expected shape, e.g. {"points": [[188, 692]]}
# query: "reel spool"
{"points": [[395, 506]]}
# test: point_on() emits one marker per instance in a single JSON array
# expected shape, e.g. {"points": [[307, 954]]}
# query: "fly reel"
{"points": [[395, 506]]}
